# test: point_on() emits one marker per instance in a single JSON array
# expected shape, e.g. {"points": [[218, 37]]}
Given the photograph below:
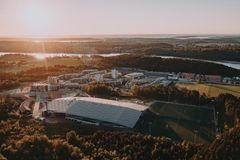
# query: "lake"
{"points": [[232, 64], [51, 55]]}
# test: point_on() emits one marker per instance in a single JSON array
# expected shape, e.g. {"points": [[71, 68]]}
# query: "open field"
{"points": [[212, 90], [183, 111], [181, 122]]}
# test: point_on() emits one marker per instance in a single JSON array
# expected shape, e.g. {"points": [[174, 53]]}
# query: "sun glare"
{"points": [[40, 56]]}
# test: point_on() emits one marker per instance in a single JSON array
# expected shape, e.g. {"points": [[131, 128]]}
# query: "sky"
{"points": [[91, 17]]}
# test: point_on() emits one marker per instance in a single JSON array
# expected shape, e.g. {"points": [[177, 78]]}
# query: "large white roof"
{"points": [[121, 113], [133, 106]]}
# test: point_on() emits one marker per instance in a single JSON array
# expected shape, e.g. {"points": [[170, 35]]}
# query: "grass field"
{"points": [[212, 90], [181, 122], [183, 111]]}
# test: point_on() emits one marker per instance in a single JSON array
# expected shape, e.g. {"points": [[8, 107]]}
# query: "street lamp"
{"points": [[150, 128], [195, 135]]}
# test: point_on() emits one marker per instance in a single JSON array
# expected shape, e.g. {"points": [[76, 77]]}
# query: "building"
{"points": [[39, 91], [212, 78], [80, 80], [87, 71], [227, 80], [173, 77], [143, 81], [115, 74], [189, 76], [25, 105], [98, 111], [53, 84], [70, 85], [98, 77], [134, 75], [69, 76]]}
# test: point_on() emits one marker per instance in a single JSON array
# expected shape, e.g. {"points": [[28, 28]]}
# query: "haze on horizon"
{"points": [[93, 17]]}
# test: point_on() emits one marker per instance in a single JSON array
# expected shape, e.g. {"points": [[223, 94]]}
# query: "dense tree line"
{"points": [[100, 145], [120, 145], [13, 80], [212, 49], [92, 47], [228, 107], [171, 93], [166, 65], [9, 84], [40, 147], [23, 138], [227, 146], [217, 53]]}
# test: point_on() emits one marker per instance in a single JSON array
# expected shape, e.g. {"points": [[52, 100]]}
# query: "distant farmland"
{"points": [[212, 90]]}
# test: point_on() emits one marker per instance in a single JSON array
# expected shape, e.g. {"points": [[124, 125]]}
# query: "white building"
{"points": [[53, 84], [87, 71], [134, 75], [98, 111], [114, 74], [99, 77], [81, 80]]}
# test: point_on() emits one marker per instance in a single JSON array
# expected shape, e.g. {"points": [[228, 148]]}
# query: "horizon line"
{"points": [[111, 35]]}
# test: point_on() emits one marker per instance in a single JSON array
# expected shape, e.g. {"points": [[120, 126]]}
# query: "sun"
{"points": [[35, 19]]}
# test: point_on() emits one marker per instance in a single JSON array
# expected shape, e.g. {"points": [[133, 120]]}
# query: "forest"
{"points": [[11, 80], [22, 138], [220, 49], [166, 65], [216, 53], [171, 93], [100, 90]]}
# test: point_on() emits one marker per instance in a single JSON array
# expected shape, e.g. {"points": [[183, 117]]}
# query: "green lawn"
{"points": [[180, 122], [183, 111]]}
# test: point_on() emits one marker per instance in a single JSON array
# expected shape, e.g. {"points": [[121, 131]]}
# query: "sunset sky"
{"points": [[90, 17]]}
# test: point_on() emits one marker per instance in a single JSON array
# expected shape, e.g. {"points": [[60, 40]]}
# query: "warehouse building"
{"points": [[97, 111]]}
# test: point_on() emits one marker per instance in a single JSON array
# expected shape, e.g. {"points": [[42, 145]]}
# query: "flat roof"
{"points": [[39, 84], [117, 112], [115, 103], [135, 74], [130, 105]]}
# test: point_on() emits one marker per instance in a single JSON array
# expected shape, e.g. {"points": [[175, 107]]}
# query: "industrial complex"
{"points": [[64, 94], [63, 97]]}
